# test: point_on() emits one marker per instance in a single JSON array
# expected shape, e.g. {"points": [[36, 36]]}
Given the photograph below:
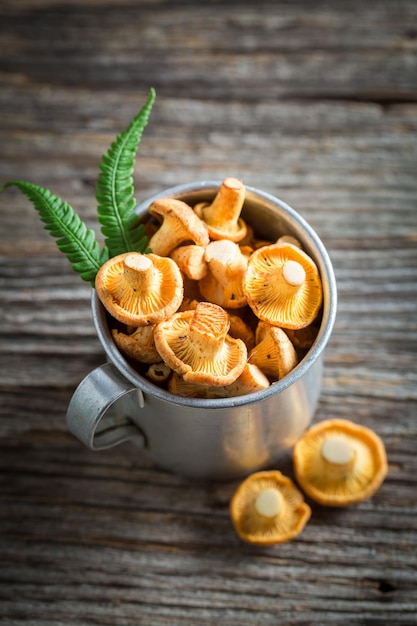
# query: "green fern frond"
{"points": [[74, 239], [114, 190]]}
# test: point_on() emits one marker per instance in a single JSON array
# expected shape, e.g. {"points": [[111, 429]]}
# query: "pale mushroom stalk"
{"points": [[222, 216], [139, 272], [293, 273], [338, 455], [269, 502], [208, 333]]}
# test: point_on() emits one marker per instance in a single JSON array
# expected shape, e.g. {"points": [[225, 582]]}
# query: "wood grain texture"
{"points": [[313, 102]]}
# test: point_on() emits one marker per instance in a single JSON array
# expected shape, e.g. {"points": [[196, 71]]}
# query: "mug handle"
{"points": [[101, 412]]}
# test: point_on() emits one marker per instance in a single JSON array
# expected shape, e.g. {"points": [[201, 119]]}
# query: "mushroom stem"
{"points": [[227, 205], [269, 502], [139, 272], [209, 327], [293, 273], [339, 455]]}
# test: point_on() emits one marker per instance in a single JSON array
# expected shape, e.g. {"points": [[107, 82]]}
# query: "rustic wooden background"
{"points": [[315, 102]]}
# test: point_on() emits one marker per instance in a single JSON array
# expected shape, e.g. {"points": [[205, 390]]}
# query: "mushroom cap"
{"points": [[223, 283], [179, 224], [191, 260], [267, 508], [140, 289], [222, 216], [338, 462], [273, 353], [196, 345], [283, 286], [138, 345]]}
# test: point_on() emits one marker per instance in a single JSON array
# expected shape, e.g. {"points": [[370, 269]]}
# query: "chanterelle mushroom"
{"points": [[140, 289], [338, 462], [222, 216], [267, 508], [138, 345], [196, 345], [273, 353], [283, 286], [191, 261], [179, 224], [223, 283]]}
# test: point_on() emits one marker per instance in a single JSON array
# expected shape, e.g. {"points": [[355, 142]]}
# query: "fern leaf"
{"points": [[74, 239], [114, 190]]}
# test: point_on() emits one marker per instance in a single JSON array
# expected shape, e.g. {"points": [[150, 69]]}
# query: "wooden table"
{"points": [[315, 103]]}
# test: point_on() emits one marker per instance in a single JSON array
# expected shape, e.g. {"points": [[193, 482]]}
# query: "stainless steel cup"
{"points": [[207, 439]]}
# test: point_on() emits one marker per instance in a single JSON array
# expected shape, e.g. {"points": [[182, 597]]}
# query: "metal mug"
{"points": [[216, 439]]}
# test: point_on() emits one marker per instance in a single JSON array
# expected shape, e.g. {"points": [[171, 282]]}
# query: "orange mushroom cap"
{"points": [[267, 508], [283, 286], [138, 345], [338, 462], [140, 289], [273, 353], [196, 345]]}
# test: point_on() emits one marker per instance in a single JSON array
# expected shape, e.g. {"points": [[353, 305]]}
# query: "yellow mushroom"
{"points": [[196, 345], [222, 216], [338, 462], [140, 289], [273, 353], [223, 283], [138, 345], [267, 508], [283, 286], [191, 261], [180, 224]]}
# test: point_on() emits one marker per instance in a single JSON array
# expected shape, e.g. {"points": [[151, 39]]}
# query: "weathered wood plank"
{"points": [[315, 103]]}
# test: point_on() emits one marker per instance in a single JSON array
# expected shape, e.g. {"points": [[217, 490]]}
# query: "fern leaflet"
{"points": [[114, 190], [74, 239]]}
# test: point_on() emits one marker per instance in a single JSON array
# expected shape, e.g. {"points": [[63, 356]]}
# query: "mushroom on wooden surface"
{"points": [[179, 224], [140, 289], [196, 345], [283, 286], [222, 216], [267, 508], [338, 462]]}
